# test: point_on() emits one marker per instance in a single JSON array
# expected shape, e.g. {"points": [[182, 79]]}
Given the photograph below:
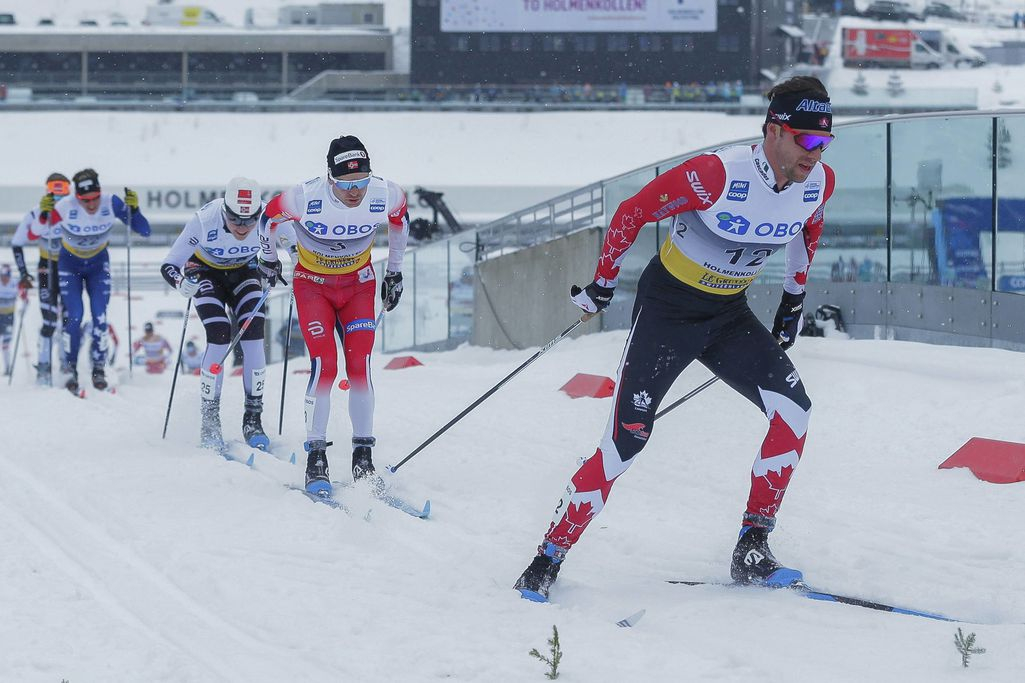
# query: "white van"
{"points": [[181, 15], [924, 57], [960, 54]]}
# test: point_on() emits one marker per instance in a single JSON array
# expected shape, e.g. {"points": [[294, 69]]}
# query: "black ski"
{"points": [[825, 596]]}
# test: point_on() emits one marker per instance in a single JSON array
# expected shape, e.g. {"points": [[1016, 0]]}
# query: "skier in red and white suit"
{"points": [[730, 210], [335, 218]]}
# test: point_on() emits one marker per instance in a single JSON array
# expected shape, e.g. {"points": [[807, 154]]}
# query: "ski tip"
{"points": [[291, 460], [533, 596], [252, 458], [427, 510], [631, 620]]}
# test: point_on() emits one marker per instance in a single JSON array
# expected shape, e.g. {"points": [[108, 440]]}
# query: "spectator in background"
{"points": [[152, 350], [192, 359]]}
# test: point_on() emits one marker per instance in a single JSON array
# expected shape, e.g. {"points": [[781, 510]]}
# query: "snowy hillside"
{"points": [[130, 558]]}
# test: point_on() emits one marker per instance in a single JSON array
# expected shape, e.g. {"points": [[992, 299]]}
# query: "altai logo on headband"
{"points": [[814, 106]]}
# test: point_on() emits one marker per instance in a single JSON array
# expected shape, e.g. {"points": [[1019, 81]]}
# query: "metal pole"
{"points": [[544, 349], [216, 368], [690, 395], [17, 340], [284, 369], [174, 380], [128, 248]]}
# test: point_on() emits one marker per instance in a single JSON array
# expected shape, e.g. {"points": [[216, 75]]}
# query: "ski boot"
{"points": [[363, 464], [72, 382], [252, 427], [535, 582], [210, 427], [318, 482], [99, 378], [753, 562], [44, 375]]}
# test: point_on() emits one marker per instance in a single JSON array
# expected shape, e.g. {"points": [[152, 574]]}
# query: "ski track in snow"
{"points": [[127, 557]]}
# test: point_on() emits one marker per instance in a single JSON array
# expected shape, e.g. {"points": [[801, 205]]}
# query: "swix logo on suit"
{"points": [[720, 249]]}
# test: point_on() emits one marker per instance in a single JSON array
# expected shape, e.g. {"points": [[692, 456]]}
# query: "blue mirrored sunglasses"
{"points": [[351, 184]]}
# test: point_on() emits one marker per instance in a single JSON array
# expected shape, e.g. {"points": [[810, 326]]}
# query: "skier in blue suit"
{"points": [[86, 220]]}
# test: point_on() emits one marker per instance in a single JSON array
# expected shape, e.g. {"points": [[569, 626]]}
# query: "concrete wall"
{"points": [[522, 299]]}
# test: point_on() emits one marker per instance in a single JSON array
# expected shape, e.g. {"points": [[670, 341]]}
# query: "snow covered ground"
{"points": [[129, 558]]}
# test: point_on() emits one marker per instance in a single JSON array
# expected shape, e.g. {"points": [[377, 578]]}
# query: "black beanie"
{"points": [[347, 155], [87, 182]]}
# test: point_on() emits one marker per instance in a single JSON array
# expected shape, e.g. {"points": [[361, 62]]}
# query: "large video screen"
{"points": [[577, 16]]}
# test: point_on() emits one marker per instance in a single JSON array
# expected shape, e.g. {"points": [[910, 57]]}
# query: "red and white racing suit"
{"points": [[334, 285]]}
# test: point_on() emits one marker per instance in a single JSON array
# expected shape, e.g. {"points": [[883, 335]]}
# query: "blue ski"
{"points": [[319, 498], [814, 594], [394, 501]]}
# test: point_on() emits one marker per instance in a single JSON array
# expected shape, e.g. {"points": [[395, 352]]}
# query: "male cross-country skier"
{"points": [[214, 259], [731, 210], [86, 220], [48, 238], [335, 218]]}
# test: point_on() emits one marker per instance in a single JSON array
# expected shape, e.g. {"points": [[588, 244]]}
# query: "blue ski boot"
{"points": [[753, 562], [537, 579], [318, 482]]}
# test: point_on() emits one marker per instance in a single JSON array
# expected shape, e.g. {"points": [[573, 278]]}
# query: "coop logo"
{"points": [[637, 429], [315, 328], [314, 206], [698, 188], [811, 192], [814, 106], [377, 206], [211, 236], [361, 324], [738, 191], [736, 225]]}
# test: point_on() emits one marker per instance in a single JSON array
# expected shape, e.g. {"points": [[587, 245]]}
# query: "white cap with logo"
{"points": [[242, 197]]}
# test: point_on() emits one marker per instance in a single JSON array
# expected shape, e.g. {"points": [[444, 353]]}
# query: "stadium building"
{"points": [[633, 42]]}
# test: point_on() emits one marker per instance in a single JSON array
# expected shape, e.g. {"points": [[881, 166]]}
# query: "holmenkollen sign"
{"points": [[598, 16]]}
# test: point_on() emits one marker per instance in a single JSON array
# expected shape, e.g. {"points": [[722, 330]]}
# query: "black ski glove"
{"points": [[391, 290], [271, 271], [593, 297], [787, 323]]}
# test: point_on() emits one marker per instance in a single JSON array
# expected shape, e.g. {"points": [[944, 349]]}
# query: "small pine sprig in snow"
{"points": [[966, 646], [556, 655]]}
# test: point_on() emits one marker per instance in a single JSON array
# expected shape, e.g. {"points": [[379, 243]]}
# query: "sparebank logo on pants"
{"points": [[361, 324]]}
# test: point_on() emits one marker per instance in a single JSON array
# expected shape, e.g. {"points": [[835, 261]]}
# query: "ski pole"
{"points": [[543, 350], [284, 369], [128, 249], [17, 340], [690, 395], [216, 368], [174, 380]]}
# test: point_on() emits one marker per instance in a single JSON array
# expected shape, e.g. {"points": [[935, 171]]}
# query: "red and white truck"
{"points": [[888, 48]]}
